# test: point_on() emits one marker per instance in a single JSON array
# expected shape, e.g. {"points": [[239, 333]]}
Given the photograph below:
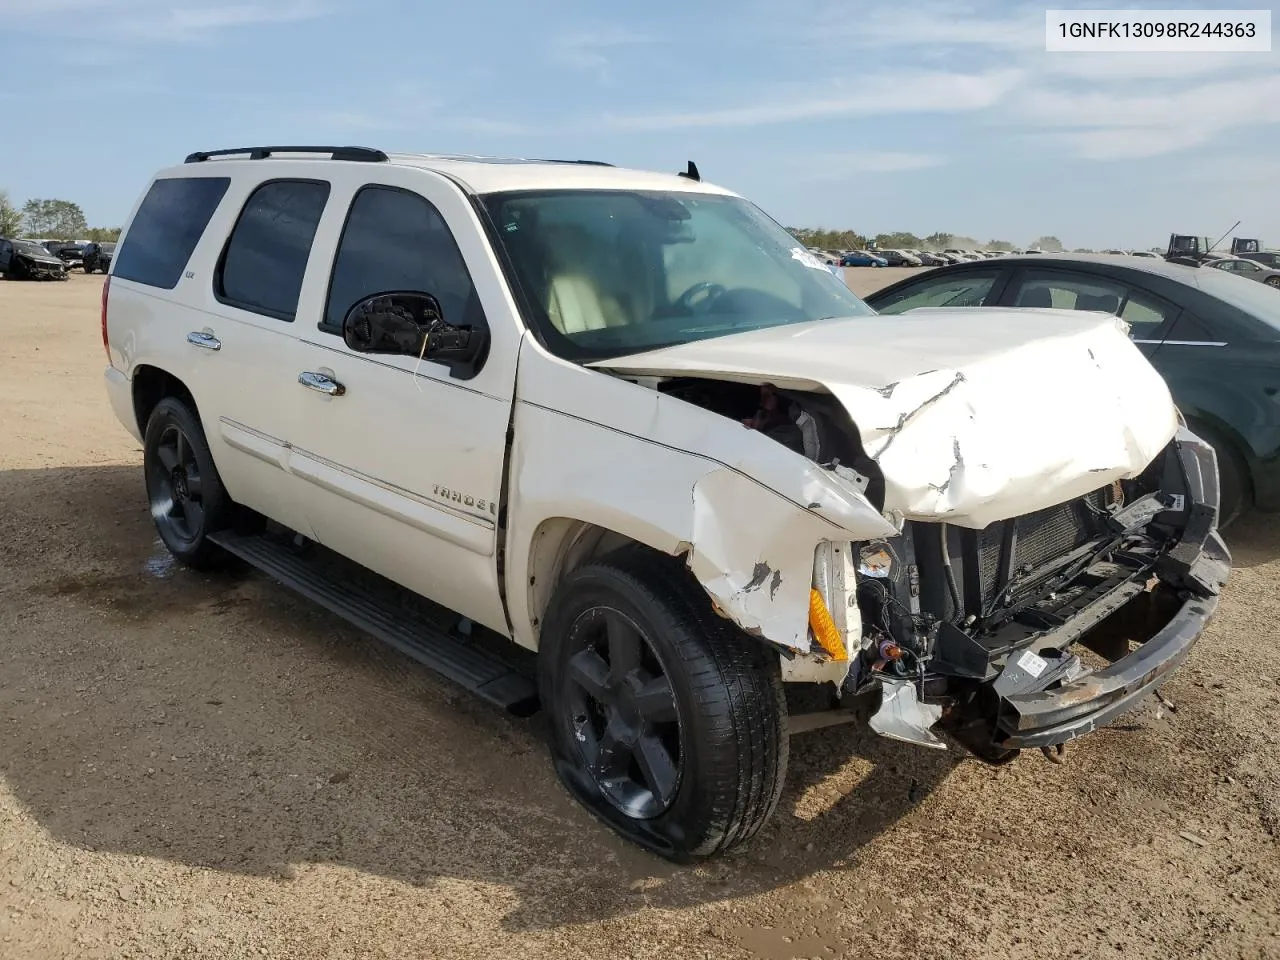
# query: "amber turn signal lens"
{"points": [[824, 628]]}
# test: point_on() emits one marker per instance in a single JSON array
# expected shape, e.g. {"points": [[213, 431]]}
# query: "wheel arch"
{"points": [[560, 545], [1214, 430], [150, 386]]}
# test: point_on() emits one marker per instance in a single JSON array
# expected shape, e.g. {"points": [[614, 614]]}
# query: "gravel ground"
{"points": [[197, 766]]}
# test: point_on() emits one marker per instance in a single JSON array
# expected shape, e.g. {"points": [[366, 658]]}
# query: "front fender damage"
{"points": [[753, 551]]}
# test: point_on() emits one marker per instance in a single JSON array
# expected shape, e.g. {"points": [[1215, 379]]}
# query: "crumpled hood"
{"points": [[48, 259], [973, 414]]}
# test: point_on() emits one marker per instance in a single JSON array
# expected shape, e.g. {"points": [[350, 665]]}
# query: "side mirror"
{"points": [[413, 325]]}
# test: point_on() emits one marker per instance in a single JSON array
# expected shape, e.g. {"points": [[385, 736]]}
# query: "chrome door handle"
{"points": [[198, 338], [321, 384]]}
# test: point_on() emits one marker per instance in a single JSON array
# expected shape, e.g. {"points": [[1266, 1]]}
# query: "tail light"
{"points": [[106, 345]]}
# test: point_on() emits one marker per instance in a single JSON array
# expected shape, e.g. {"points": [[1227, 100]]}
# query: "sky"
{"points": [[846, 114]]}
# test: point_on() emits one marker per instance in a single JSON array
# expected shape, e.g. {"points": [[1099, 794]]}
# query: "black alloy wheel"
{"points": [[185, 493], [666, 721], [623, 713]]}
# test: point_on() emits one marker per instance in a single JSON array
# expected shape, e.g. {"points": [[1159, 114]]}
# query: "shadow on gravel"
{"points": [[222, 723], [1254, 539]]}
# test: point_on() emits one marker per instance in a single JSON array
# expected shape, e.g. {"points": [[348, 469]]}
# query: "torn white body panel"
{"points": [[747, 513], [973, 415]]}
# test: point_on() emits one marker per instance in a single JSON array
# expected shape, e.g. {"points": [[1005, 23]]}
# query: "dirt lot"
{"points": [[207, 766]]}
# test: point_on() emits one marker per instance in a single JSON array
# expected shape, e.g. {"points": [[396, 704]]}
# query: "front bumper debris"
{"points": [[1042, 718], [1073, 654]]}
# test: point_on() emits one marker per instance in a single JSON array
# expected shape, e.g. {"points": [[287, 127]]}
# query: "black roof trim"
{"points": [[589, 163], [355, 154]]}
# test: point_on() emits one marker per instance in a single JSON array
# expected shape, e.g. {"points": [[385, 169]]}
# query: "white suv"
{"points": [[615, 444]]}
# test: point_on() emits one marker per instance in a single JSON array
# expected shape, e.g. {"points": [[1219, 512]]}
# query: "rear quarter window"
{"points": [[166, 229]]}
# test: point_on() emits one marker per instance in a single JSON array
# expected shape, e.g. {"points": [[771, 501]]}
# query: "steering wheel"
{"points": [[699, 297]]}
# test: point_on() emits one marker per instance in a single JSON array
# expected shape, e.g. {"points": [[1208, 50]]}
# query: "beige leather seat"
{"points": [[576, 295]]}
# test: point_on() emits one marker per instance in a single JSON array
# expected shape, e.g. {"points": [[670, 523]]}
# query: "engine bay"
{"points": [[813, 425]]}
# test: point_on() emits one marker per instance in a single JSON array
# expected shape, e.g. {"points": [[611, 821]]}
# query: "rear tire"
{"points": [[185, 493], [665, 721]]}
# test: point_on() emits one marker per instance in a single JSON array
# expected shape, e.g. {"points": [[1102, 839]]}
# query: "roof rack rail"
{"points": [[356, 154], [589, 163]]}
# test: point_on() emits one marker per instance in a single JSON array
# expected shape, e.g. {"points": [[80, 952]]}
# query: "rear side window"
{"points": [[166, 228], [1146, 314], [397, 241], [263, 264]]}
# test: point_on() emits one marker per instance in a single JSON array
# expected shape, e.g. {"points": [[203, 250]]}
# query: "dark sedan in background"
{"points": [[1214, 337]]}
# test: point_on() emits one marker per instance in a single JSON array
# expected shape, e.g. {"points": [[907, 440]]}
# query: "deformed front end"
{"points": [[1037, 629]]}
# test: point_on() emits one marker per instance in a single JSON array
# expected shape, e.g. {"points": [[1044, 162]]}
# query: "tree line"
{"points": [[50, 220]]}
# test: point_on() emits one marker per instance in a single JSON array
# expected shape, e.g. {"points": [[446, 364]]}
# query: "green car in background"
{"points": [[1214, 337]]}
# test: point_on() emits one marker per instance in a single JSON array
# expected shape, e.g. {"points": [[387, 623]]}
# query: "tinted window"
{"points": [[394, 240], [968, 289], [166, 228], [1068, 291], [266, 257]]}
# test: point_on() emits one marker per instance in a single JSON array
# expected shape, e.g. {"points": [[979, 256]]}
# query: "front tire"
{"points": [[185, 493], [666, 722], [1272, 281]]}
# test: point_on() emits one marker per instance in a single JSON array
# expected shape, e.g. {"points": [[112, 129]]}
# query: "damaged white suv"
{"points": [[615, 444]]}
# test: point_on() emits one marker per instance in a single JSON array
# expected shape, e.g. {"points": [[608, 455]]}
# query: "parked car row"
{"points": [[32, 259], [910, 257]]}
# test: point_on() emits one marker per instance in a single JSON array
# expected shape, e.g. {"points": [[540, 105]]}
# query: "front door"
{"points": [[403, 456]]}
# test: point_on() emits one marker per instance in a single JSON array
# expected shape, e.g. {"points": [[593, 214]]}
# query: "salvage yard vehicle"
{"points": [[27, 260], [69, 253], [97, 256], [1214, 337], [612, 445]]}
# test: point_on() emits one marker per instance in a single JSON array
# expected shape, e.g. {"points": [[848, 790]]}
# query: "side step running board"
{"points": [[386, 610]]}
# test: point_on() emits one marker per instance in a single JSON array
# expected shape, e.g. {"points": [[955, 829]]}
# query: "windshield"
{"points": [[608, 273], [1254, 298], [29, 247], [107, 248]]}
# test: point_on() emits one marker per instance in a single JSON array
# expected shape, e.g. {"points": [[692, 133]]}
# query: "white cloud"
{"points": [[925, 25], [150, 21], [846, 164], [589, 50], [937, 92], [1104, 125], [1097, 106], [1108, 67]]}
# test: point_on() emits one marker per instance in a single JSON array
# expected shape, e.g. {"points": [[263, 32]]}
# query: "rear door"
{"points": [[213, 306], [6, 254], [256, 289], [1149, 316], [403, 456]]}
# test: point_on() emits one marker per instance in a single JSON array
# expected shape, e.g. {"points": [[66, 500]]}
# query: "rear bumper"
{"points": [[120, 395], [1045, 718]]}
